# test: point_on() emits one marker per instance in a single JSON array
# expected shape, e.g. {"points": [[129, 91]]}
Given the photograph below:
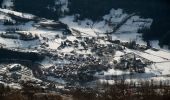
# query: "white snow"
{"points": [[71, 38], [67, 49], [58, 80], [129, 36], [163, 54], [8, 4], [155, 44], [161, 61], [48, 62], [69, 20], [14, 65], [64, 5], [135, 23], [15, 85], [115, 72], [15, 43], [118, 55], [115, 16], [4, 17], [85, 52], [53, 45], [127, 32], [23, 15], [161, 68]]}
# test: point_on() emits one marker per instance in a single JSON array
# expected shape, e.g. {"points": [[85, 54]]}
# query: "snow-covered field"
{"points": [[126, 32]]}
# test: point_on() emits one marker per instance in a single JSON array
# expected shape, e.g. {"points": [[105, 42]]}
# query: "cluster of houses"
{"points": [[14, 73], [83, 66], [133, 63], [78, 67]]}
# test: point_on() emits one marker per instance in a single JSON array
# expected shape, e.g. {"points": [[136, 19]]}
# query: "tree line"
{"points": [[10, 54]]}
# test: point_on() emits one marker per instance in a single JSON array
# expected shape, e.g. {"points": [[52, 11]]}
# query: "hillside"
{"points": [[53, 9], [65, 45]]}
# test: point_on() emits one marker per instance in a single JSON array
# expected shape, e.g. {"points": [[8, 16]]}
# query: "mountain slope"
{"points": [[76, 49], [158, 10]]}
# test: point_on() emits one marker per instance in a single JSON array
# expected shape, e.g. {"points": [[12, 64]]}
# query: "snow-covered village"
{"points": [[61, 56]]}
